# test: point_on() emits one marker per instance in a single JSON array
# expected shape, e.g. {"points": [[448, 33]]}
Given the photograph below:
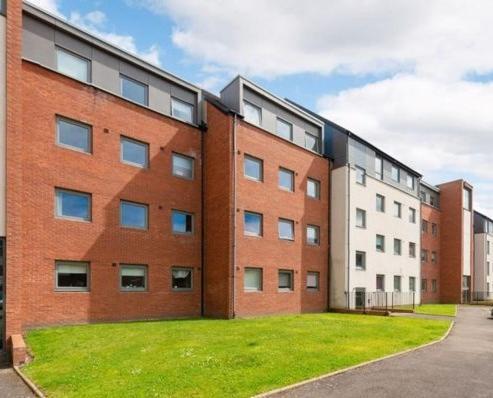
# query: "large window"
{"points": [[134, 90], [72, 275], [182, 222], [133, 277], [395, 174], [285, 280], [380, 243], [181, 110], [360, 218], [252, 113], [397, 283], [72, 205], [134, 152], [253, 279], [286, 229], [286, 179], [379, 168], [252, 224], [73, 135], [380, 203], [313, 235], [183, 166], [73, 65], [360, 260], [133, 215], [253, 168], [284, 129], [360, 175], [312, 142], [312, 280], [181, 278], [397, 247]]}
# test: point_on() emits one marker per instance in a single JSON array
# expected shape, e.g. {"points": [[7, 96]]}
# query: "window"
{"points": [[380, 243], [410, 181], [252, 113], [360, 218], [286, 229], [422, 195], [133, 215], [286, 179], [487, 247], [379, 168], [3, 6], [312, 142], [412, 215], [181, 110], [395, 174], [134, 152], [72, 275], [252, 224], [487, 268], [397, 283], [397, 210], [312, 280], [73, 135], [424, 255], [412, 249], [253, 280], [467, 199], [360, 260], [182, 222], [434, 285], [285, 129], [183, 166], [424, 226], [313, 235], [381, 203], [72, 205], [133, 90], [133, 277], [380, 283], [360, 175], [424, 286], [412, 284], [253, 168], [313, 188], [434, 229], [285, 280], [397, 247], [434, 257], [181, 278], [72, 65], [432, 200]]}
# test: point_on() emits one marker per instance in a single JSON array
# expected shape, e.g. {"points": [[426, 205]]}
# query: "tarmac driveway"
{"points": [[460, 366], [11, 385]]}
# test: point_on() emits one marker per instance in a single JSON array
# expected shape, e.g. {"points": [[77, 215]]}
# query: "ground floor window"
{"points": [[412, 284], [313, 280], [72, 275], [181, 278], [253, 279], [285, 280], [133, 277]]}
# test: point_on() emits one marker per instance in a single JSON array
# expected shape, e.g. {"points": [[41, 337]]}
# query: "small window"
{"points": [[395, 174], [181, 110], [313, 235], [312, 142], [424, 286], [133, 277], [286, 229], [181, 278], [253, 280], [412, 215], [432, 200], [487, 268], [380, 283], [72, 275], [380, 243], [434, 229], [422, 195], [285, 280], [434, 285], [412, 284], [73, 65], [397, 283], [380, 203], [253, 168], [286, 179], [424, 226], [133, 90], [397, 210], [360, 175], [134, 152], [424, 255], [72, 205], [73, 135], [252, 113], [397, 247], [312, 280], [433, 257], [252, 224], [284, 129], [133, 215], [379, 168], [313, 188], [360, 218], [360, 260], [412, 249], [182, 222], [410, 181], [183, 166]]}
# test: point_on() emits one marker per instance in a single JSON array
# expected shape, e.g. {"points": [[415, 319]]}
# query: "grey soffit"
{"points": [[429, 186]]}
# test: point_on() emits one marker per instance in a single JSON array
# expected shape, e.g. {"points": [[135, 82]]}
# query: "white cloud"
{"points": [[48, 5]]}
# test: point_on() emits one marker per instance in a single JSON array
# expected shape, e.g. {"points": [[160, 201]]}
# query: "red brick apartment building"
{"points": [[132, 194]]}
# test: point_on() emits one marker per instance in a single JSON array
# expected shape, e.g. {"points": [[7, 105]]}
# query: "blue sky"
{"points": [[414, 78]]}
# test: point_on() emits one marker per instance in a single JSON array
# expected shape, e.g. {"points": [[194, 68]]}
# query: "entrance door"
{"points": [[360, 297], [466, 289]]}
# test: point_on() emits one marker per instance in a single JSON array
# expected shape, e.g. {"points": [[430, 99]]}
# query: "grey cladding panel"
{"points": [[231, 96], [105, 71], [38, 42], [159, 97], [134, 73], [70, 43]]}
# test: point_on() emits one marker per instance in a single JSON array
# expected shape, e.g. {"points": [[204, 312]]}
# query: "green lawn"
{"points": [[437, 309], [212, 358]]}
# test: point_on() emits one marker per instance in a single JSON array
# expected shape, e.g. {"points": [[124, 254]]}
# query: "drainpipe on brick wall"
{"points": [[203, 130], [348, 225], [329, 260], [233, 270]]}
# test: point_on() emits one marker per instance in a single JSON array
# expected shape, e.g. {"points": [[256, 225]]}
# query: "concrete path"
{"points": [[460, 366], [11, 385], [423, 316]]}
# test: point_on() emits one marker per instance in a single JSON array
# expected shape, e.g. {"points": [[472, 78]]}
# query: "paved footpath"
{"points": [[460, 366], [11, 385]]}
